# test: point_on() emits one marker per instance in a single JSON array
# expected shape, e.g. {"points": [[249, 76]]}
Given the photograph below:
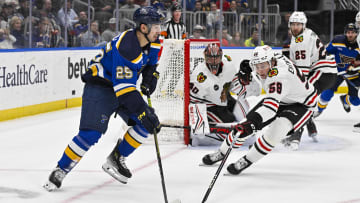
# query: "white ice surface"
{"points": [[324, 172]]}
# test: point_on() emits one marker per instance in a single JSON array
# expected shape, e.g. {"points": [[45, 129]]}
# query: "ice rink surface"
{"points": [[324, 172]]}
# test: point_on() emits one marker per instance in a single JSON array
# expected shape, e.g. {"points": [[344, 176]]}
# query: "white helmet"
{"points": [[298, 17], [261, 54], [357, 20]]}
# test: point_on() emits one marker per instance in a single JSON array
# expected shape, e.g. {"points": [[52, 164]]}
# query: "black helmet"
{"points": [[350, 27], [176, 7], [148, 15]]}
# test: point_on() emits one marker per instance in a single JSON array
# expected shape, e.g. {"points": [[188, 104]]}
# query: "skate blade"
{"points": [[229, 174], [205, 165], [49, 186], [112, 172]]}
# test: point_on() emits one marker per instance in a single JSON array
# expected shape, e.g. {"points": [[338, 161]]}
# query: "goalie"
{"points": [[211, 83]]}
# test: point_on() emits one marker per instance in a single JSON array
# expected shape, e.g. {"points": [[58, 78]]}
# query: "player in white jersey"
{"points": [[286, 107], [357, 23], [308, 53], [211, 83]]}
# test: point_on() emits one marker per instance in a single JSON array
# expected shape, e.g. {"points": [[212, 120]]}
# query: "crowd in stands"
{"points": [[49, 20]]}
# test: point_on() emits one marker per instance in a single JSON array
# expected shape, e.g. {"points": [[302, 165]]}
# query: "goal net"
{"points": [[171, 97]]}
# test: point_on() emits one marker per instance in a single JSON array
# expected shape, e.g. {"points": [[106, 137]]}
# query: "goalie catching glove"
{"points": [[149, 81], [244, 74], [245, 129]]}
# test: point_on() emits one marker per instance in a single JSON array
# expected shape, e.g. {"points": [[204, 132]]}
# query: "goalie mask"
{"points": [[213, 55], [261, 60]]}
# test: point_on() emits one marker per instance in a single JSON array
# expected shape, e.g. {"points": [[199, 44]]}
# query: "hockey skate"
{"points": [[293, 141], [345, 105], [311, 127], [55, 179], [317, 114], [115, 166], [210, 159], [239, 166], [357, 128]]}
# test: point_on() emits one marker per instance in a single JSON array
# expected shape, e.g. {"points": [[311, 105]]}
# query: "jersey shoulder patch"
{"points": [[201, 77], [273, 72], [228, 58]]}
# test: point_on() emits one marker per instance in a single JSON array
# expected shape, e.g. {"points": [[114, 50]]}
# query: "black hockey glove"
{"points": [[244, 74], [245, 128], [149, 120], [150, 78]]}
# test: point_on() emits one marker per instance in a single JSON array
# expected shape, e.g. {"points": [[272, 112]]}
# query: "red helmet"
{"points": [[213, 55]]}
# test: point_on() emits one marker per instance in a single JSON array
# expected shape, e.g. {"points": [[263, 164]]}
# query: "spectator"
{"points": [[17, 31], [110, 32], [5, 15], [46, 11], [190, 4], [205, 5], [242, 6], [90, 39], [82, 25], [167, 7], [6, 39], [282, 29], [130, 5], [201, 16], [253, 41], [71, 15], [225, 34], [103, 11], [226, 5], [231, 18], [198, 32], [23, 10], [43, 34], [236, 40], [224, 41], [213, 19]]}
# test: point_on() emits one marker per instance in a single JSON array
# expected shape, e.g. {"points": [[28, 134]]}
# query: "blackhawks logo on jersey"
{"points": [[228, 57], [201, 77], [299, 39], [273, 72]]}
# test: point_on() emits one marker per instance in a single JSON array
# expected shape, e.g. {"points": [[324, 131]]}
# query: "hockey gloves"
{"points": [[245, 128], [244, 74], [150, 78], [149, 120]]}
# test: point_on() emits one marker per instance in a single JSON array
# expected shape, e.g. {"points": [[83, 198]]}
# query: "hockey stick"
{"points": [[220, 168], [158, 157], [213, 128]]}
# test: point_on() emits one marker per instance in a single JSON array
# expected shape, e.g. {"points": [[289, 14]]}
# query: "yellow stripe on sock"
{"points": [[131, 140], [72, 155], [322, 106]]}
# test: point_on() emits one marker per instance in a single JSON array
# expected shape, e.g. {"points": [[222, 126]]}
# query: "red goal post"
{"points": [[171, 97]]}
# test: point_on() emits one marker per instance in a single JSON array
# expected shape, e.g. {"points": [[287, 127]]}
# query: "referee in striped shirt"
{"points": [[174, 28]]}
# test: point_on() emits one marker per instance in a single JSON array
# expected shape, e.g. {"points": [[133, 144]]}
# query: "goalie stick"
{"points": [[220, 167]]}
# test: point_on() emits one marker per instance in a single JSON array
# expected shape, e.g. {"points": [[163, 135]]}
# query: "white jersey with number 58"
{"points": [[285, 85]]}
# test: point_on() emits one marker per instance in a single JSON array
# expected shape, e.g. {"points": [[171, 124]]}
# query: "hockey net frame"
{"points": [[171, 97]]}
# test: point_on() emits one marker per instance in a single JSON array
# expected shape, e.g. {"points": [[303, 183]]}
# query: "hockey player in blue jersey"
{"points": [[347, 53], [110, 87]]}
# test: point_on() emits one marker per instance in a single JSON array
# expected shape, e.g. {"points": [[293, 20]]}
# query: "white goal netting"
{"points": [[171, 97]]}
